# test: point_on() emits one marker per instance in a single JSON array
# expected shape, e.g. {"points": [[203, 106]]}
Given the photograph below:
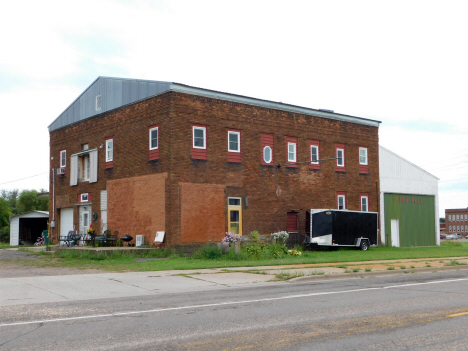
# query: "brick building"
{"points": [[144, 156], [456, 221]]}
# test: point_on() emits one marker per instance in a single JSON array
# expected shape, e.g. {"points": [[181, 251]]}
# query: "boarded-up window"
{"points": [[292, 222]]}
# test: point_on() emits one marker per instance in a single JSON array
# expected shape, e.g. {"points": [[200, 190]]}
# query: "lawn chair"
{"points": [[103, 238]]}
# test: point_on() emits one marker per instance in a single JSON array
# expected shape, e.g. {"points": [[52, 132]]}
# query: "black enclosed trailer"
{"points": [[341, 228]]}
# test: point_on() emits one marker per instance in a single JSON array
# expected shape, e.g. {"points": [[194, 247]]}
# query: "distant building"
{"points": [[456, 221], [442, 228], [409, 202], [139, 156]]}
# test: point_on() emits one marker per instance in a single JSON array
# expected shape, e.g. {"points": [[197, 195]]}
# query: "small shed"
{"points": [[27, 227]]}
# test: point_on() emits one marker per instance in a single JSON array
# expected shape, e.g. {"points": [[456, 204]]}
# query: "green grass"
{"points": [[166, 260], [455, 263]]}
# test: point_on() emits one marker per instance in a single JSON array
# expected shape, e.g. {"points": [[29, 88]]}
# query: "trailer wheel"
{"points": [[364, 245]]}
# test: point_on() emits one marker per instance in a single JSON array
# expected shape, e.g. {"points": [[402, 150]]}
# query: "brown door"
{"points": [[292, 222]]}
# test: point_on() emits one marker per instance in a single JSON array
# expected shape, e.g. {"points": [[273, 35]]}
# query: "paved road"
{"points": [[408, 312]]}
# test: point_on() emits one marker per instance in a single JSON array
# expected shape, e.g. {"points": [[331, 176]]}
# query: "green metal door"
{"points": [[416, 217]]}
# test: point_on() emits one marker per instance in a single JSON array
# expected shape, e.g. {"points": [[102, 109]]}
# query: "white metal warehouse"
{"points": [[409, 203]]}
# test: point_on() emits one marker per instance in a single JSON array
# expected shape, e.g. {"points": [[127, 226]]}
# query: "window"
{"points": [[450, 218], [267, 154], [291, 152], [86, 165], [458, 218], [363, 156], [63, 159], [109, 150], [364, 204], [340, 157], [153, 138], [199, 137], [466, 228], [450, 228], [458, 228], [341, 199], [84, 197], [314, 154], [267, 149], [233, 141], [235, 215], [462, 228], [466, 217], [98, 102]]}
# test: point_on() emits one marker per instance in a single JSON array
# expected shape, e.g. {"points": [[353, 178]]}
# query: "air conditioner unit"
{"points": [[61, 171], [140, 240]]}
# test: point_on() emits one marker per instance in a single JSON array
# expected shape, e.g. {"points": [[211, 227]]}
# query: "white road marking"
{"points": [[220, 304]]}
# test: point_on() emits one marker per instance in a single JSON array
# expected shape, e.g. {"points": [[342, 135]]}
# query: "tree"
{"points": [[10, 196], [5, 213], [29, 201]]}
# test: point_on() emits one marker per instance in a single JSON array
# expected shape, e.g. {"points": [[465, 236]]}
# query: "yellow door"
{"points": [[235, 215]]}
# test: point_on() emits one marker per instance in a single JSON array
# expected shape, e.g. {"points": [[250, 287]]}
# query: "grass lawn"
{"points": [[123, 261]]}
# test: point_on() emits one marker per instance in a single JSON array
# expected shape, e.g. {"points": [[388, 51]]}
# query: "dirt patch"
{"points": [[11, 266]]}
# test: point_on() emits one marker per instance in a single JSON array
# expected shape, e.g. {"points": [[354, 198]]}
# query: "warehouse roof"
{"points": [[108, 93]]}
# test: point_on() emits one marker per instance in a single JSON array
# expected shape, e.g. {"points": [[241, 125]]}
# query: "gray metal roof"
{"points": [[117, 92], [33, 214]]}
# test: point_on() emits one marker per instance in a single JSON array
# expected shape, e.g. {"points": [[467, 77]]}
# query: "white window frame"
{"points": [[344, 201], [229, 141], [157, 138], [204, 137], [84, 197], [293, 152], [365, 161], [458, 228], [450, 228], [458, 218], [450, 218], [63, 158], [366, 198], [312, 147], [466, 217], [338, 150], [271, 154], [109, 150]]}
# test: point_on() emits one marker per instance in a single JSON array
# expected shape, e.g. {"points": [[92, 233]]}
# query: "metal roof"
{"points": [[30, 214], [108, 93]]}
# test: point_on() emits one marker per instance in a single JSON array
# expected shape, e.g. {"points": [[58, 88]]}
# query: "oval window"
{"points": [[267, 154]]}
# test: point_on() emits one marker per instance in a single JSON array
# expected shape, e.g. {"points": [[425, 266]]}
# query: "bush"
{"points": [[231, 238], [280, 237], [208, 252], [277, 251], [254, 250], [255, 236]]}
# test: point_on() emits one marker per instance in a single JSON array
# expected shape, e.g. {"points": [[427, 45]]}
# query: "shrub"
{"points": [[280, 237], [255, 236], [254, 250], [208, 252], [231, 238], [277, 251]]}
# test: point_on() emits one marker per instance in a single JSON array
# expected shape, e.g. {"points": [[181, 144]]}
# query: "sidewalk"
{"points": [[62, 288]]}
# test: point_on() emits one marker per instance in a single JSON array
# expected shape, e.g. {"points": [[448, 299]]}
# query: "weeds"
{"points": [[455, 263], [390, 268], [288, 275], [368, 269]]}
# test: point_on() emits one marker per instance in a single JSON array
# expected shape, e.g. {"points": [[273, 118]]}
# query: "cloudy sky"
{"points": [[400, 62]]}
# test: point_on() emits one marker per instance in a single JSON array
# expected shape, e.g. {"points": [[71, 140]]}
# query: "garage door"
{"points": [[66, 221], [14, 231]]}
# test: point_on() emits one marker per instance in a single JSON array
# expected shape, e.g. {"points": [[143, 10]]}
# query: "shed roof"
{"points": [[32, 214], [108, 93]]}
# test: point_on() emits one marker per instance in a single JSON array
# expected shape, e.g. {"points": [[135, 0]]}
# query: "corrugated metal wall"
{"points": [[416, 214], [115, 92]]}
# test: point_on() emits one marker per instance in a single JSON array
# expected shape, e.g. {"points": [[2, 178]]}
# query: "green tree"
{"points": [[29, 201], [5, 213]]}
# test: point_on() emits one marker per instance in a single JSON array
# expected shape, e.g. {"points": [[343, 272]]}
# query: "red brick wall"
{"points": [[301, 188], [137, 205], [202, 212]]}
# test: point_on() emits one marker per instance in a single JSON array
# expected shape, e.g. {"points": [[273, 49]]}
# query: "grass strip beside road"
{"points": [[165, 260]]}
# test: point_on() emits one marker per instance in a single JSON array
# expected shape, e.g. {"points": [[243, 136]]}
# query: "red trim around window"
{"points": [[200, 154], [267, 140], [292, 140], [315, 143], [153, 154], [234, 156], [363, 168], [78, 198], [340, 168]]}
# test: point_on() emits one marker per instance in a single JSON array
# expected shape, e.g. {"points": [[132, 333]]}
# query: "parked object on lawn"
{"points": [[128, 239], [443, 236], [336, 228]]}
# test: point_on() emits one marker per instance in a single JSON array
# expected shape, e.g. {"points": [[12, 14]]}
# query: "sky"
{"points": [[403, 63]]}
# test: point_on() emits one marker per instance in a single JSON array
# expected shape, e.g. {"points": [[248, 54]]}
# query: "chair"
{"points": [[103, 238], [71, 237], [113, 237]]}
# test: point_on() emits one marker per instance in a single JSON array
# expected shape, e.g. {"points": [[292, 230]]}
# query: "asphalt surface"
{"points": [[322, 308]]}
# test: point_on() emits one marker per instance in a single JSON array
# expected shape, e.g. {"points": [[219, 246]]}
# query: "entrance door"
{"points": [[292, 222], [235, 215], [66, 221], [395, 230]]}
